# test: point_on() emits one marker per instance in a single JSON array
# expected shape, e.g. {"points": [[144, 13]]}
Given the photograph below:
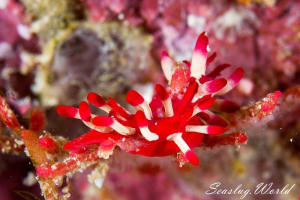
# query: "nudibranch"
{"points": [[175, 121]]}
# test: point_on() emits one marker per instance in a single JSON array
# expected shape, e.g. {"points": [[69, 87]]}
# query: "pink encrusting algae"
{"points": [[177, 123]]}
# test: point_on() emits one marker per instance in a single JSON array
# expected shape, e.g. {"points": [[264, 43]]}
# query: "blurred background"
{"points": [[56, 51]]}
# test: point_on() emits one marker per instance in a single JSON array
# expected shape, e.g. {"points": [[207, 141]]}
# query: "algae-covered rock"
{"points": [[107, 58], [50, 16]]}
